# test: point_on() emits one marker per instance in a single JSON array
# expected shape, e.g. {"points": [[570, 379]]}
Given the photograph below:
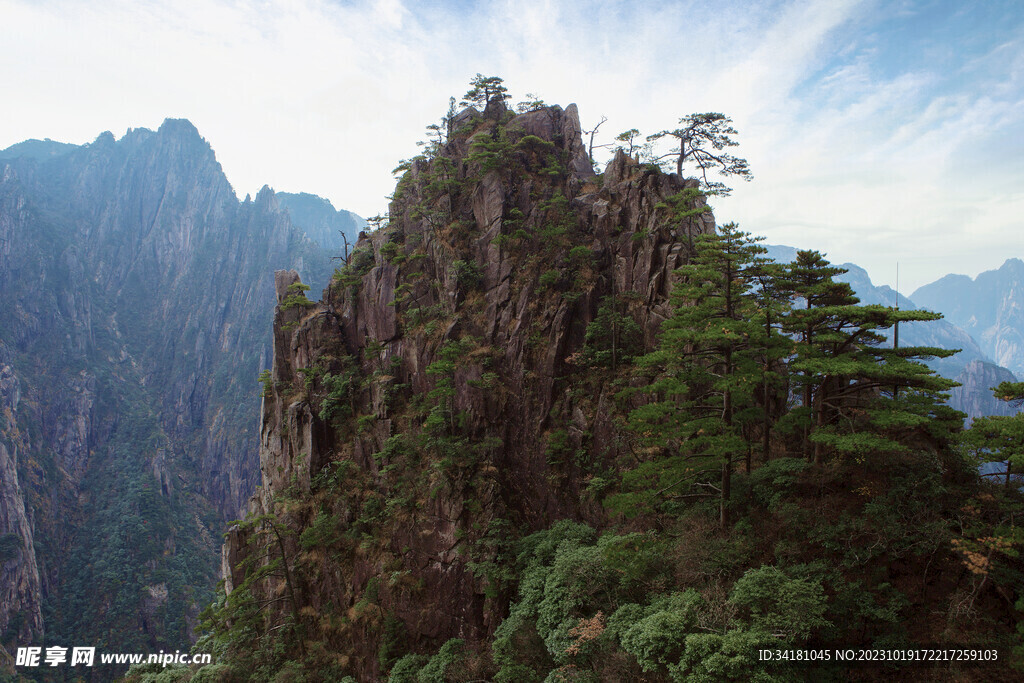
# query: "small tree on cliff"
{"points": [[531, 103], [237, 624], [703, 139], [628, 141], [483, 89]]}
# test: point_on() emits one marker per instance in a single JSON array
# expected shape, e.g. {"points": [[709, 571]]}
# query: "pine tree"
{"points": [[483, 89], [774, 301], [809, 278], [702, 140], [707, 364], [849, 379], [1000, 439]]}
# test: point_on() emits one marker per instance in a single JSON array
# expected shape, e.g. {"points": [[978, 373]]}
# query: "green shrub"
{"points": [[406, 669], [777, 604], [581, 254], [214, 673], [10, 547], [773, 481], [657, 639], [549, 278], [715, 658], [467, 274], [391, 251], [443, 664], [321, 533]]}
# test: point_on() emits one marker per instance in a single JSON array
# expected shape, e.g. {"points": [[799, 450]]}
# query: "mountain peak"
{"points": [[324, 224], [104, 139], [1012, 265], [987, 306], [266, 196], [179, 127]]}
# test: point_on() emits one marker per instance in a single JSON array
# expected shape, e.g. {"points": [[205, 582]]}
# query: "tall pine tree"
{"points": [[708, 366], [848, 374]]}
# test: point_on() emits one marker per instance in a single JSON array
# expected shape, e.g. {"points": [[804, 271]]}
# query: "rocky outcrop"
{"points": [[443, 388]]}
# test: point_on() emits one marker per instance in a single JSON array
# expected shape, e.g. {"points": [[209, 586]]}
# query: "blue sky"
{"points": [[877, 131]]}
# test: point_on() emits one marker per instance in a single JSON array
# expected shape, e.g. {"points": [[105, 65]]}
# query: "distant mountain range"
{"points": [[990, 308], [984, 318], [37, 149], [137, 304]]}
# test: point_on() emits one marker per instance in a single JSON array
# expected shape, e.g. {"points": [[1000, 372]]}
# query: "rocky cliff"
{"points": [[456, 382], [974, 395], [138, 291], [20, 590]]}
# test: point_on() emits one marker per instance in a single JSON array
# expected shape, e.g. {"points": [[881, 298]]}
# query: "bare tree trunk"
{"points": [[290, 586], [726, 486], [766, 437], [819, 412], [807, 428]]}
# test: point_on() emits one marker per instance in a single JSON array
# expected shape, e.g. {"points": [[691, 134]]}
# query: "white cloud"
{"points": [[325, 97]]}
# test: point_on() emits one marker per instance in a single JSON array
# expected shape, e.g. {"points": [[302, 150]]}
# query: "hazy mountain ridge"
{"points": [[321, 221], [37, 149], [990, 307], [139, 294], [974, 395]]}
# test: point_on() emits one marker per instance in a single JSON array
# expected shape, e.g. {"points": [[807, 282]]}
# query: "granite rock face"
{"points": [[329, 227], [451, 350], [20, 584], [974, 395], [990, 307], [138, 297]]}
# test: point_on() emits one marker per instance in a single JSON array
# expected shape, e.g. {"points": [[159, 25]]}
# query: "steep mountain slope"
{"points": [[137, 291], [990, 307], [329, 227], [974, 395]]}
